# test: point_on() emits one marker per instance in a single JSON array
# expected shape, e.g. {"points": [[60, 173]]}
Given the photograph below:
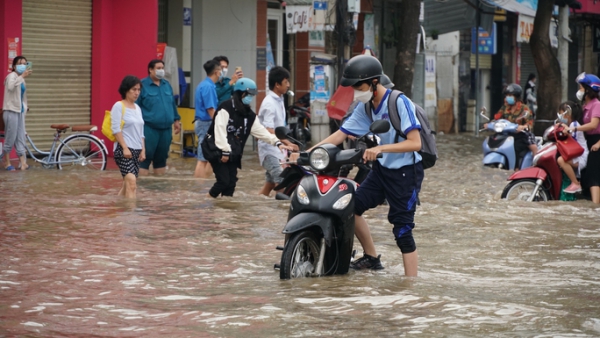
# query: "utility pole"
{"points": [[563, 50], [341, 9], [478, 97]]}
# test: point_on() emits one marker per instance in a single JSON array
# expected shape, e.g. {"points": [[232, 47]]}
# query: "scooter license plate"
{"points": [[292, 120]]}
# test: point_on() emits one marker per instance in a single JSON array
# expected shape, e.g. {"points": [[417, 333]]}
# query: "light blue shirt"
{"points": [[359, 122], [206, 98]]}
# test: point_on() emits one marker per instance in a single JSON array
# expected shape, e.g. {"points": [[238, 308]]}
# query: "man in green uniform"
{"points": [[159, 111]]}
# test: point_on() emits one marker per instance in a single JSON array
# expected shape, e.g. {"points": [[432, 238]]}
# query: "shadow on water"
{"points": [[78, 261]]}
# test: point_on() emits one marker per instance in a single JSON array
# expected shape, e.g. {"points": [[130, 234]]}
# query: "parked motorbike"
{"points": [[542, 181], [500, 149], [319, 233], [299, 119]]}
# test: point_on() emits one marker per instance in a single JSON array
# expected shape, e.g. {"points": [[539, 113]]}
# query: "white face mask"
{"points": [[361, 96], [580, 95], [160, 73], [223, 72]]}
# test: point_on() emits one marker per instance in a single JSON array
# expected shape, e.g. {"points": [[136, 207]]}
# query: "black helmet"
{"points": [[360, 68], [386, 82], [513, 89]]}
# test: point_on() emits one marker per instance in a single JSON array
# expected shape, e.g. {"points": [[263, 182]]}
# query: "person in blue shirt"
{"points": [[206, 103], [397, 176], [225, 84], [159, 110]]}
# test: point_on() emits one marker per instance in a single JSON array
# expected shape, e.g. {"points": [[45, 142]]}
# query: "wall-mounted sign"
{"points": [[261, 58], [296, 18], [14, 50], [484, 41], [187, 16]]}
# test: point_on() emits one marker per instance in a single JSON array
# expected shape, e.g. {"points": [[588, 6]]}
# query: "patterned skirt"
{"points": [[128, 165]]}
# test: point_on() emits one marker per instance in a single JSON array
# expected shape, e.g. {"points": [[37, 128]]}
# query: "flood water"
{"points": [[76, 261]]}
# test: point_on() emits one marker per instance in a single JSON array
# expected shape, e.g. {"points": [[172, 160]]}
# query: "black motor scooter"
{"points": [[319, 233]]}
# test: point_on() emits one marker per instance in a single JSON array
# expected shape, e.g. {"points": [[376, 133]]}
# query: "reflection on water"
{"points": [[77, 261]]}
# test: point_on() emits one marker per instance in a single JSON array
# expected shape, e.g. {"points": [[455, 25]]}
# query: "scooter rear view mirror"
{"points": [[282, 133], [380, 127], [483, 113]]}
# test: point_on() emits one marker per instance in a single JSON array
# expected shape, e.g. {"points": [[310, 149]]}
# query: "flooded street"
{"points": [[76, 261]]}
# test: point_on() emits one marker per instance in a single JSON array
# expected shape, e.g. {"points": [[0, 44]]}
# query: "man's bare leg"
{"points": [[362, 232], [160, 171], [411, 263], [267, 188], [201, 171]]}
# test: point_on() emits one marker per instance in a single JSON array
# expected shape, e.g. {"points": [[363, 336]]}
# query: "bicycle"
{"points": [[73, 152]]}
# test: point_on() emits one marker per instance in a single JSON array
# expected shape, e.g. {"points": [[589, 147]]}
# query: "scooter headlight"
{"points": [[319, 158], [302, 195], [499, 127], [342, 202]]}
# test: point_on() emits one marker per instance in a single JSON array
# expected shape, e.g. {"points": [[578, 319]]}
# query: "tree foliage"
{"points": [[546, 63]]}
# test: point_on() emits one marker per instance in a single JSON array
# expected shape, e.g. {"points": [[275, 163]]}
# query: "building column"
{"points": [[11, 23]]}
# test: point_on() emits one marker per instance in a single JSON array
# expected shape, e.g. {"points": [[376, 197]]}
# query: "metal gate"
{"points": [[57, 39]]}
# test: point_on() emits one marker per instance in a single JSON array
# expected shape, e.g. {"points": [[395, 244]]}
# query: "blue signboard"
{"points": [[320, 5], [187, 16], [486, 42]]}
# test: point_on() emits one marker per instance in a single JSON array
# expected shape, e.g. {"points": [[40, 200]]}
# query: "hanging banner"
{"points": [[527, 7], [430, 85], [14, 50], [369, 31], [160, 50], [319, 83], [297, 18]]}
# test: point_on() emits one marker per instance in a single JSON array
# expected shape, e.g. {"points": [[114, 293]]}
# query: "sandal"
{"points": [[9, 168]]}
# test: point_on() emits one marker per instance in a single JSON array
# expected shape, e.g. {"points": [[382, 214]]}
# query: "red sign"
{"points": [[160, 50], [14, 50]]}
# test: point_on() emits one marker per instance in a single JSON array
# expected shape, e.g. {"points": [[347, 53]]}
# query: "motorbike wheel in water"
{"points": [[300, 256], [521, 190]]}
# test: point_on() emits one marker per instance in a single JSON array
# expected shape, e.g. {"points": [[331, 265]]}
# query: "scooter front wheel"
{"points": [[521, 190], [300, 256]]}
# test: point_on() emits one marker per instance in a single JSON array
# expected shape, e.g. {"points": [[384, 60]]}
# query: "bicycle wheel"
{"points": [[81, 151]]}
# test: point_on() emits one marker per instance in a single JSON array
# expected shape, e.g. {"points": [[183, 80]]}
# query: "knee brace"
{"points": [[404, 238]]}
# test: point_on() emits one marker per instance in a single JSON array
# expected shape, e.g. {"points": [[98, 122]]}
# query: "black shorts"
{"points": [[128, 165], [400, 187]]}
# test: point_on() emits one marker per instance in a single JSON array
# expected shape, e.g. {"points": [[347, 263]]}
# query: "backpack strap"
{"points": [[393, 113]]}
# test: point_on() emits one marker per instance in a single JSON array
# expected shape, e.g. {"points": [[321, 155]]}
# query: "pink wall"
{"points": [[124, 36], [10, 27]]}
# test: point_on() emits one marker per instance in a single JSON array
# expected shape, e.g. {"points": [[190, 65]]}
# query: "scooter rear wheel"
{"points": [[522, 189], [300, 256]]}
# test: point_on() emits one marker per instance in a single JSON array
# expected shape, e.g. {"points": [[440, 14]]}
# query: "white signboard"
{"points": [[430, 86], [297, 18], [369, 31], [525, 28]]}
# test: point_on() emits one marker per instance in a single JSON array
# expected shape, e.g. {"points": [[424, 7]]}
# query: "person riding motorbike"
{"points": [[516, 111], [588, 93], [397, 176]]}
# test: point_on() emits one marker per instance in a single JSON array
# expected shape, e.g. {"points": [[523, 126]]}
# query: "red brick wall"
{"points": [[261, 42]]}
